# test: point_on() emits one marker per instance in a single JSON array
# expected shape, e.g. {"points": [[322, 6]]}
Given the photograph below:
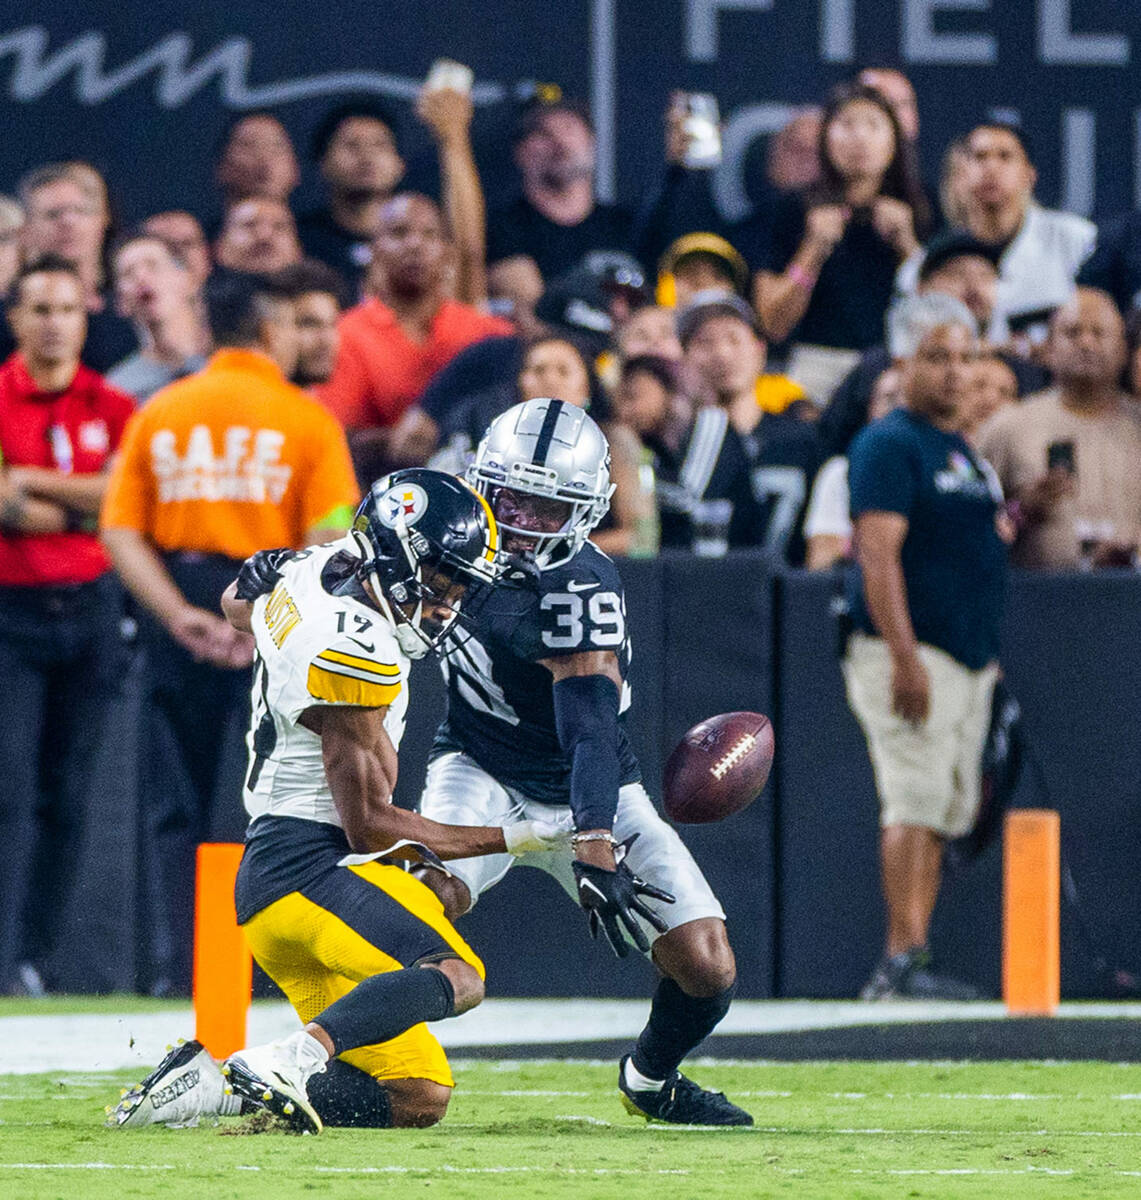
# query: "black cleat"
{"points": [[680, 1102], [908, 976]]}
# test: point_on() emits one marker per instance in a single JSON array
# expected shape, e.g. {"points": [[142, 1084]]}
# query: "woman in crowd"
{"points": [[835, 249]]}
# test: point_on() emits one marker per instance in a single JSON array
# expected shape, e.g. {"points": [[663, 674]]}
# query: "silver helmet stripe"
{"points": [[547, 432]]}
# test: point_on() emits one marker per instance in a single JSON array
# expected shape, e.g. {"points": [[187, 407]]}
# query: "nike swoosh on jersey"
{"points": [[582, 587], [368, 647]]}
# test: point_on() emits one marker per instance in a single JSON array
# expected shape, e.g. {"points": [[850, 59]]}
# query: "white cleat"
{"points": [[274, 1076], [186, 1085]]}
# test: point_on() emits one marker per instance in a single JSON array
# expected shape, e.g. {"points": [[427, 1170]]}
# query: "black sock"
{"points": [[678, 1023], [382, 1006], [348, 1098]]}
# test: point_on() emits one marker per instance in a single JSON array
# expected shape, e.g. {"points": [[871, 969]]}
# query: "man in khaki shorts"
{"points": [[926, 606]]}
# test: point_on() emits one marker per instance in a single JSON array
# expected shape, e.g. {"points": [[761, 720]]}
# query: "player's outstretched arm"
{"points": [[587, 687], [360, 764]]}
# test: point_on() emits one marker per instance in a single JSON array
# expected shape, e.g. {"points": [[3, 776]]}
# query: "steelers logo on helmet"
{"points": [[404, 501]]}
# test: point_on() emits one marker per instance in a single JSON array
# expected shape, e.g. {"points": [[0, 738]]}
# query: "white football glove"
{"points": [[533, 837]]}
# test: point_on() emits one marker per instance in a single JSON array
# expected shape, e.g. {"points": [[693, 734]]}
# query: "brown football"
{"points": [[718, 768]]}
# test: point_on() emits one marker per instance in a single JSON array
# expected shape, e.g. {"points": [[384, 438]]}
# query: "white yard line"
{"points": [[104, 1042]]}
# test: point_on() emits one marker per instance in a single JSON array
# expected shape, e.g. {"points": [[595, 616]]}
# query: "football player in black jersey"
{"points": [[534, 730]]}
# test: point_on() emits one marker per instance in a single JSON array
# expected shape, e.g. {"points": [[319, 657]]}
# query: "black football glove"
{"points": [[612, 896], [260, 573]]}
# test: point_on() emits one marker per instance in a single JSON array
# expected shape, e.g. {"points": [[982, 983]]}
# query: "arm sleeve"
{"points": [[881, 474], [130, 497], [586, 718], [331, 487]]}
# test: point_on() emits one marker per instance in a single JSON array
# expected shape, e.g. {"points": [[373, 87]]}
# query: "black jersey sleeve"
{"points": [[576, 608]]}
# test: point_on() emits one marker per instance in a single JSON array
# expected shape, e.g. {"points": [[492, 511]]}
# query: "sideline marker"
{"points": [[1031, 973], [223, 967]]}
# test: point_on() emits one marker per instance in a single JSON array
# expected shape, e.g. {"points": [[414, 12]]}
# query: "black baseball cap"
{"points": [[545, 99], [1005, 125], [713, 303], [956, 244]]}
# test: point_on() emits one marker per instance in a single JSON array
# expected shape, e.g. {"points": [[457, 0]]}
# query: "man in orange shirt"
{"points": [[219, 465], [393, 343]]}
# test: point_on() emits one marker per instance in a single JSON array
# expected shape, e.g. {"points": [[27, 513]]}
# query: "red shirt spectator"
{"points": [[393, 343], [74, 431], [381, 371]]}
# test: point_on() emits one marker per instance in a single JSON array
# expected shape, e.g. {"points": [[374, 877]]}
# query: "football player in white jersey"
{"points": [[361, 948]]}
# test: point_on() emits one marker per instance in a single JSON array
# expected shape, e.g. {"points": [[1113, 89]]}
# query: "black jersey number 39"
{"points": [[584, 620]]}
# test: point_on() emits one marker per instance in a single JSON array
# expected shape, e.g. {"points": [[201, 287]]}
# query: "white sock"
{"points": [[637, 1082], [229, 1106], [307, 1052]]}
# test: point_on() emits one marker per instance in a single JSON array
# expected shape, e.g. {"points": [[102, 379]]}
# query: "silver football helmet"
{"points": [[550, 449]]}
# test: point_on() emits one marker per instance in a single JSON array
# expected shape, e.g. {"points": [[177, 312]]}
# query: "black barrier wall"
{"points": [[1072, 656], [796, 872]]}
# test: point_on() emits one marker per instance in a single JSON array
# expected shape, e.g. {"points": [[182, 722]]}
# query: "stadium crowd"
{"points": [[730, 365]]}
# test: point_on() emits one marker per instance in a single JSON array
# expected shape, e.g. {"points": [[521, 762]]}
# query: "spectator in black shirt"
{"points": [[557, 220], [255, 161], [834, 252], [355, 148]]}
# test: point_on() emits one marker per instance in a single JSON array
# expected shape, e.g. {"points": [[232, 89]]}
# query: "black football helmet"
{"points": [[426, 540]]}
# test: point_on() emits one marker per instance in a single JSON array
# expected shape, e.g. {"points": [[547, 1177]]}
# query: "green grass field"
{"points": [[840, 1131]]}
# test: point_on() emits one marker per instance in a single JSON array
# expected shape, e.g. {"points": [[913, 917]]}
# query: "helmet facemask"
{"points": [[413, 585], [507, 491]]}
